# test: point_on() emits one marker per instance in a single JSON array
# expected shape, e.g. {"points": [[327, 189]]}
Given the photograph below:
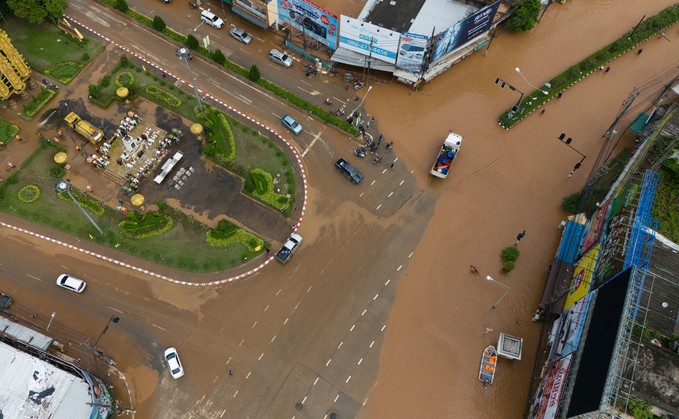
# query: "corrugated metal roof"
{"points": [[31, 388], [24, 334], [570, 244]]}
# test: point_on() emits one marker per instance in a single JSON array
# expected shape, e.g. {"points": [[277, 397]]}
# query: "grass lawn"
{"points": [[252, 149], [666, 204], [7, 132], [184, 247], [49, 50]]}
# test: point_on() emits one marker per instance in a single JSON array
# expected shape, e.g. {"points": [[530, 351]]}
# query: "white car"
{"points": [[71, 283], [211, 19], [173, 363]]}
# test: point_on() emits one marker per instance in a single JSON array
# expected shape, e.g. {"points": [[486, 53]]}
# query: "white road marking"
{"points": [[248, 376], [244, 99], [215, 380], [305, 397], [241, 342], [365, 401], [348, 379], [222, 413], [383, 327], [375, 297], [371, 344], [352, 328], [316, 380], [307, 83], [340, 345], [260, 357], [298, 304], [336, 399], [373, 182], [401, 183], [339, 100], [361, 194], [279, 291], [235, 393], [378, 207], [328, 363], [34, 277], [364, 311], [274, 337], [227, 362], [286, 320], [390, 195], [359, 361], [399, 268], [115, 309], [308, 290], [279, 117], [161, 328], [410, 255], [267, 307], [387, 283], [384, 171], [244, 51], [253, 326]]}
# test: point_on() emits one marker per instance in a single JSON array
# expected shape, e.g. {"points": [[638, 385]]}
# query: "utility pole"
{"points": [[545, 11], [370, 55], [304, 37], [489, 42]]}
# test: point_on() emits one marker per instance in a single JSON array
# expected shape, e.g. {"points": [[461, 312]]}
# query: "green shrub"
{"points": [[122, 5], [124, 61], [218, 57], [57, 170], [29, 193], [158, 23], [570, 203], [138, 69], [208, 149], [106, 80], [143, 226], [124, 79], [249, 185], [192, 42], [94, 90], [85, 202], [249, 241], [261, 180], [510, 254], [226, 227], [86, 57], [509, 266], [253, 74]]}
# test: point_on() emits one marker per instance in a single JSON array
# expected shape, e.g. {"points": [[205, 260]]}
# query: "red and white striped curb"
{"points": [[117, 262]]}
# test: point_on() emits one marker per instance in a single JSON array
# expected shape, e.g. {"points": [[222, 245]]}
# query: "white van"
{"points": [[280, 58]]}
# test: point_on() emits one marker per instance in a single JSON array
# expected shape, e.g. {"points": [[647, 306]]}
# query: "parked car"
{"points": [[241, 35], [5, 300], [173, 363], [71, 283], [280, 58], [349, 171], [291, 124], [211, 19]]}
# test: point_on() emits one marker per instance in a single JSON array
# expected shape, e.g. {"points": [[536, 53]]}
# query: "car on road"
{"points": [[241, 35], [291, 124], [289, 248], [166, 1], [71, 283], [173, 363], [5, 300], [349, 171], [211, 19], [280, 58]]}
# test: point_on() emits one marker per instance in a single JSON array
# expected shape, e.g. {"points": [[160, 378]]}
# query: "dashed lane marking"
{"points": [[161, 328], [34, 277], [115, 309]]}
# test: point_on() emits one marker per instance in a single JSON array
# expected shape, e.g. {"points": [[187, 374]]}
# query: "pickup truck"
{"points": [[5, 300], [289, 248], [446, 156]]}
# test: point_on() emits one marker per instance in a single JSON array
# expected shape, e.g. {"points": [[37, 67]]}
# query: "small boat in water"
{"points": [[488, 365]]}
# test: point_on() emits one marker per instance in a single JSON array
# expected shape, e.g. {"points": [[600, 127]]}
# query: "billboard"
{"points": [[582, 277], [320, 24], [595, 225], [411, 52], [356, 36], [465, 30], [569, 330], [546, 401]]}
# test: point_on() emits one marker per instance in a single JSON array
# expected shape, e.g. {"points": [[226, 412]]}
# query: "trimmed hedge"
{"points": [[85, 202], [260, 181], [29, 193], [7, 131], [220, 132], [148, 225], [220, 238], [124, 79], [32, 107], [165, 96], [263, 181]]}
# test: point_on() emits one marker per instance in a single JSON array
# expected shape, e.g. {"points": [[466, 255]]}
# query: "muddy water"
{"points": [[502, 183]]}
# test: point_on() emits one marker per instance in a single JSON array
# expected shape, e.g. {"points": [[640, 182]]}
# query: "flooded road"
{"points": [[504, 182]]}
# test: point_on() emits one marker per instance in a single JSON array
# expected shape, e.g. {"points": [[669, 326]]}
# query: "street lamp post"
{"points": [[65, 187], [503, 295], [568, 143], [519, 71], [114, 319], [50, 323], [205, 38], [359, 105], [183, 53]]}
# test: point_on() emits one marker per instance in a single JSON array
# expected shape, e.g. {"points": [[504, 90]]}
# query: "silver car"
{"points": [[241, 35]]}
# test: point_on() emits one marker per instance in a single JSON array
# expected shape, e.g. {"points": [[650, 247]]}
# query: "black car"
{"points": [[349, 171]]}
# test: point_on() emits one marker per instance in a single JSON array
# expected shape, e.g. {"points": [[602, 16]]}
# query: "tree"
{"points": [[122, 5], [35, 11], [94, 90], [158, 23], [55, 8], [570, 202], [192, 42], [253, 74], [218, 57], [524, 18]]}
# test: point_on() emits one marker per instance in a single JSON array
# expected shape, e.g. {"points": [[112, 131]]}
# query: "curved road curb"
{"points": [[197, 284]]}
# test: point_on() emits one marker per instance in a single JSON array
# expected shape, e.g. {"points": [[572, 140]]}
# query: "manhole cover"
{"points": [[333, 416], [299, 406]]}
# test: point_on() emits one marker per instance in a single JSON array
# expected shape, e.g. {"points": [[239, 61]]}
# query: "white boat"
{"points": [[488, 365]]}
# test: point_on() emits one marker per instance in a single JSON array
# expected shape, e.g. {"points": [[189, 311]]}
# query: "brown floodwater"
{"points": [[504, 182]]}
